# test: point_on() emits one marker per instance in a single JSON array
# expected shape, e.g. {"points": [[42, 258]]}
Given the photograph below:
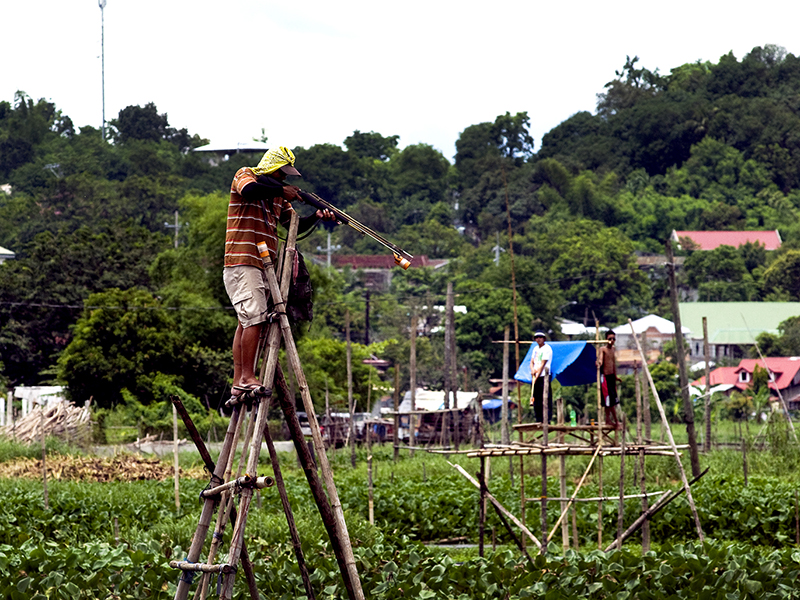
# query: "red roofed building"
{"points": [[377, 268], [784, 374], [710, 240]]}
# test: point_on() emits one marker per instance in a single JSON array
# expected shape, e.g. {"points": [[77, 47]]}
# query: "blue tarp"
{"points": [[573, 363]]}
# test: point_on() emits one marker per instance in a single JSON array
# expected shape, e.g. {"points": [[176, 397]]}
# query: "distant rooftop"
{"points": [[736, 322], [6, 255], [380, 261], [709, 240], [234, 147]]}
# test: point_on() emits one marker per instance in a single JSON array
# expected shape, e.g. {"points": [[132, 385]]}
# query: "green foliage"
{"points": [[123, 341]]}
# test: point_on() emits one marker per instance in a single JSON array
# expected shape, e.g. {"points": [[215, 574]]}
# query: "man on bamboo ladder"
{"points": [[541, 360], [607, 361], [260, 199]]}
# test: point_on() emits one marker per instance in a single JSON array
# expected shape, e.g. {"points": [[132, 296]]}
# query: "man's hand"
{"points": [[325, 215], [291, 192]]}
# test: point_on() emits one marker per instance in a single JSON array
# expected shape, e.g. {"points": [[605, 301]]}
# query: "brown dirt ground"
{"points": [[124, 467]]}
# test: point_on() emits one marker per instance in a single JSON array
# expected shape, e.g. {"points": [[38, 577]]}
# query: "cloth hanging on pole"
{"points": [[573, 363]]}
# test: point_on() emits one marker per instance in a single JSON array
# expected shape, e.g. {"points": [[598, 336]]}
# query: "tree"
{"points": [[598, 270], [489, 310], [122, 341], [784, 274], [631, 86], [140, 123], [720, 275], [371, 145]]}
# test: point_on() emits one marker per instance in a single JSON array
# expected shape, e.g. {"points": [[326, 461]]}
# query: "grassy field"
{"points": [[113, 539]]}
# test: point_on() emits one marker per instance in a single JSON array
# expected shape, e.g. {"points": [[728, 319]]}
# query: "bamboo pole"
{"points": [[318, 491], [226, 504], [707, 403], [396, 397], [669, 434], [744, 460], [44, 458], [175, 457], [621, 507], [545, 419], [412, 365], [499, 506], [599, 443], [268, 370], [572, 498], [481, 506], [688, 407], [649, 513], [562, 475], [287, 511], [316, 435], [211, 467], [369, 483], [639, 440], [350, 403], [198, 539]]}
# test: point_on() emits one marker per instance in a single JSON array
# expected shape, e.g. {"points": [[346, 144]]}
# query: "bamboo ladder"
{"points": [[219, 496]]}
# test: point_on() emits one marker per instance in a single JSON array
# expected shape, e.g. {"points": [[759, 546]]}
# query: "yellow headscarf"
{"points": [[273, 160]]}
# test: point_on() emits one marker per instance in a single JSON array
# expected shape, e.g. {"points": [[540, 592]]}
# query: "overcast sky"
{"points": [[312, 72]]}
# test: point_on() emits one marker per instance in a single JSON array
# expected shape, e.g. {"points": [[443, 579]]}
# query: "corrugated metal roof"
{"points": [[736, 322]]}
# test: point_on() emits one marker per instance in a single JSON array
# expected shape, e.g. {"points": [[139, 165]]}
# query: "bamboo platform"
{"points": [[571, 450]]}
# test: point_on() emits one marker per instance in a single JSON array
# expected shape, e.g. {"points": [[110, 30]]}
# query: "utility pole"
{"points": [[688, 408], [176, 227], [102, 4], [366, 320], [329, 250]]}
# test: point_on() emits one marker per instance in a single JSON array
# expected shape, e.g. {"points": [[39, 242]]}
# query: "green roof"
{"points": [[736, 322]]}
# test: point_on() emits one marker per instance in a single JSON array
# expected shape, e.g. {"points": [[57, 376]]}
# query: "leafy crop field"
{"points": [[113, 539]]}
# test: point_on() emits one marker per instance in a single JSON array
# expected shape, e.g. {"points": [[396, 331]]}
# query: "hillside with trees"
{"points": [[100, 298]]}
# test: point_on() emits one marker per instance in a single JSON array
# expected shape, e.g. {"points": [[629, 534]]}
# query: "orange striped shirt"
{"points": [[246, 225]]}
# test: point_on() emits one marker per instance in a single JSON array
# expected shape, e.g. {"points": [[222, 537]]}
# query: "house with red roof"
{"points": [[377, 269], [710, 240], [784, 375]]}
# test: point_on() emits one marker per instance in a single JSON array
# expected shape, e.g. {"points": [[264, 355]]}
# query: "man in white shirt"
{"points": [[540, 373]]}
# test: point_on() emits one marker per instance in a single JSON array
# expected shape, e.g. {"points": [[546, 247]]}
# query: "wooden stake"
{"points": [[396, 396], [744, 460], [707, 403], [44, 457], [665, 424], [175, 456], [688, 407], [369, 483], [350, 404], [621, 508], [412, 365], [481, 505]]}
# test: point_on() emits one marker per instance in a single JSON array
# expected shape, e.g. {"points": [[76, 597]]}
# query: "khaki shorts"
{"points": [[247, 289]]}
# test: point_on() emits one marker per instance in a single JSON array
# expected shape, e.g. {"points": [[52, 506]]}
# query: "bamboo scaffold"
{"points": [[249, 411], [596, 440]]}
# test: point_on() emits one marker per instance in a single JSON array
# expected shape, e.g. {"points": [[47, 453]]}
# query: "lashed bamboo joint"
{"points": [[202, 567], [251, 394], [258, 483]]}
